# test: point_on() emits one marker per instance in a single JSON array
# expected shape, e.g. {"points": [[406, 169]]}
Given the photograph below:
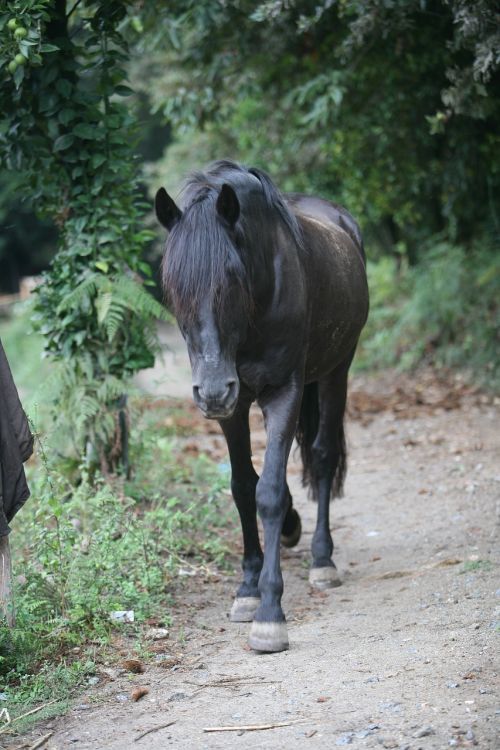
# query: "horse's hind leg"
{"points": [[327, 473], [243, 483]]}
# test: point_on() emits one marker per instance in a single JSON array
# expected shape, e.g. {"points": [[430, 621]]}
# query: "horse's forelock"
{"points": [[201, 259]]}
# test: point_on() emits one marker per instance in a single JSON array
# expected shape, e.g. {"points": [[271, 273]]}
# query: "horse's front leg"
{"points": [[243, 484], [281, 409]]}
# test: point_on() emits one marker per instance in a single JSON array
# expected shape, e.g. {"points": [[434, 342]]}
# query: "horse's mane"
{"points": [[201, 258]]}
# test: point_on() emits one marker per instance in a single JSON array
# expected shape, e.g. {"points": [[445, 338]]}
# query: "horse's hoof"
{"points": [[244, 608], [324, 578], [268, 636], [290, 540]]}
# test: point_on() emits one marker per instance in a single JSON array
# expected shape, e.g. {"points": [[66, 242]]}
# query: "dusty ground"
{"points": [[401, 656]]}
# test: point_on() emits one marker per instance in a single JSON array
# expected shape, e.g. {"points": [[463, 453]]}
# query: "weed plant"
{"points": [[445, 311]]}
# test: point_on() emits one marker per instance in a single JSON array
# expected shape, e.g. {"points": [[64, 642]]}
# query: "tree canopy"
{"points": [[389, 107]]}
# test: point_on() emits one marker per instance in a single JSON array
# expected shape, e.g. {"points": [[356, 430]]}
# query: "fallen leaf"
{"points": [[133, 665], [168, 663], [138, 693]]}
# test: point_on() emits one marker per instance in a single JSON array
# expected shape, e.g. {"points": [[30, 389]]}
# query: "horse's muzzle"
{"points": [[215, 403]]}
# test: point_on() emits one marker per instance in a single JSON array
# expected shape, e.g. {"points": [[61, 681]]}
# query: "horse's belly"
{"points": [[335, 333], [338, 302]]}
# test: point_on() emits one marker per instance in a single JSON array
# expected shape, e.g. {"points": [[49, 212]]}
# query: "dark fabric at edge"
{"points": [[16, 446]]}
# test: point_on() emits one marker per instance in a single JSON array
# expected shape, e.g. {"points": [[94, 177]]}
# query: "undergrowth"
{"points": [[445, 312], [85, 548]]}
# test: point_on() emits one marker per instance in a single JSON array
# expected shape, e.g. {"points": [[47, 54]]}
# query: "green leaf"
{"points": [[108, 236], [64, 142], [64, 87], [123, 91], [87, 131], [49, 48], [19, 76], [103, 305], [97, 160], [66, 115], [102, 265]]}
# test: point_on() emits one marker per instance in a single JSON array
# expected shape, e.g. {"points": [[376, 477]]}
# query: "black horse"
{"points": [[270, 294]]}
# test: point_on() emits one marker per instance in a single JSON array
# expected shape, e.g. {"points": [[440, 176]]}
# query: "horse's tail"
{"points": [[340, 472], [307, 429]]}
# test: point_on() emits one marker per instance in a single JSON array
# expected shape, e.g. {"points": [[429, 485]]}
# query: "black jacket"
{"points": [[16, 446]]}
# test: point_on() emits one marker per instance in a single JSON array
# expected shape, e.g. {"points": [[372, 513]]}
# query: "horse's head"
{"points": [[204, 281]]}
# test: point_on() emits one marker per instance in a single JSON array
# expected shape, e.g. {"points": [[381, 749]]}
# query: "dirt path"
{"points": [[400, 656]]}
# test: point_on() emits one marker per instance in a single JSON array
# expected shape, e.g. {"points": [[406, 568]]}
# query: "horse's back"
{"points": [[327, 212]]}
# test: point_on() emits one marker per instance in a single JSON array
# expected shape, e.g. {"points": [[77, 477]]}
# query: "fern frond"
{"points": [[102, 305], [85, 291], [138, 300]]}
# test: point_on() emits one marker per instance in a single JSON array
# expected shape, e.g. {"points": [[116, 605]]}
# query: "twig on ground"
{"points": [[233, 682], [154, 729], [252, 727], [41, 741]]}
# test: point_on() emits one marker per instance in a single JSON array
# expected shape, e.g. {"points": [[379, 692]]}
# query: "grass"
{"points": [[471, 566], [84, 548]]}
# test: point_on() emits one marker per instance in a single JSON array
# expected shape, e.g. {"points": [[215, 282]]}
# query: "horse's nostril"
{"points": [[230, 387], [210, 396]]}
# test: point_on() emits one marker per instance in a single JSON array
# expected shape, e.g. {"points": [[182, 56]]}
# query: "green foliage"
{"points": [[473, 566], [68, 133], [86, 548], [444, 311], [390, 109]]}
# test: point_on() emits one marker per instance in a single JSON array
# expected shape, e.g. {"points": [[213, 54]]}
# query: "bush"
{"points": [[443, 311]]}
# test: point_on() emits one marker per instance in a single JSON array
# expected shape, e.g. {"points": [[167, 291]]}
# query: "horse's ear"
{"points": [[228, 205], [168, 214]]}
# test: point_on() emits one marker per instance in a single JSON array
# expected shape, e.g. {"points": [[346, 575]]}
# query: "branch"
{"points": [[75, 6]]}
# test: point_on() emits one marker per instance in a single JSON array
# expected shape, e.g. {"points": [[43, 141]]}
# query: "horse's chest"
{"points": [[271, 363]]}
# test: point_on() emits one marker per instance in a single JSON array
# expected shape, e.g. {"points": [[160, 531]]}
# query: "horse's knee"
{"points": [[271, 498]]}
